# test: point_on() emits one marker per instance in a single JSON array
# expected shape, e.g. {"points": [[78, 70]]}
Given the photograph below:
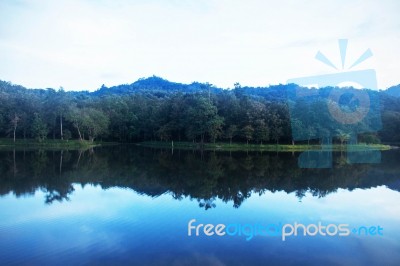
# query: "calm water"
{"points": [[129, 205]]}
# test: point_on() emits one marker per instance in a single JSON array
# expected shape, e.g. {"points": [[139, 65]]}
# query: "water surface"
{"points": [[130, 205]]}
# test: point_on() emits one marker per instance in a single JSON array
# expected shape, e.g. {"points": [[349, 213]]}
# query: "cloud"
{"points": [[73, 43]]}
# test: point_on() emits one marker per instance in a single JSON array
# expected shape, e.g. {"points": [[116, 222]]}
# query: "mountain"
{"points": [[394, 91], [156, 85]]}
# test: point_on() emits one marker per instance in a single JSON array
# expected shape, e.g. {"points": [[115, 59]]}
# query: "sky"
{"points": [[83, 44]]}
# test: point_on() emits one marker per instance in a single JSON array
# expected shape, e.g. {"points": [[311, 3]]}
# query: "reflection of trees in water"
{"points": [[39, 163], [207, 204], [204, 176], [58, 194]]}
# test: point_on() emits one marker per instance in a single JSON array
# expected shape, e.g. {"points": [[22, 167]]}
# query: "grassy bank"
{"points": [[258, 147], [54, 144]]}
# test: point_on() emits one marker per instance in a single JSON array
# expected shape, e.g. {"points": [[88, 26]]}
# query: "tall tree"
{"points": [[202, 119], [231, 132], [95, 122], [261, 131], [76, 118], [14, 123], [247, 133], [39, 129]]}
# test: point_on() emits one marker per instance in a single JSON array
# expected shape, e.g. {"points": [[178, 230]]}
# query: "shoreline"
{"points": [[258, 147], [220, 146], [51, 144]]}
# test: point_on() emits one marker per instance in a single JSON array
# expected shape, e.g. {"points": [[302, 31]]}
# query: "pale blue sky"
{"points": [[81, 45]]}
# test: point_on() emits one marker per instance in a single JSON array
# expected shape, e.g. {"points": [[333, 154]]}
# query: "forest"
{"points": [[154, 109]]}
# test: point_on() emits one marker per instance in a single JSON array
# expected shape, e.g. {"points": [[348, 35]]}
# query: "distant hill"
{"points": [[394, 91], [155, 84], [161, 87]]}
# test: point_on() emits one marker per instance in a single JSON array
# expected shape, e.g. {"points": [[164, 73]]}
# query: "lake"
{"points": [[132, 205]]}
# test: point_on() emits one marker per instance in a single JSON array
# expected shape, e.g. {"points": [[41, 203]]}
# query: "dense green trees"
{"points": [[39, 128], [155, 109], [202, 119]]}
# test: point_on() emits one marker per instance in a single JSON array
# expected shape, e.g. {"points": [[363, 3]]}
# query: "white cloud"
{"points": [[83, 44]]}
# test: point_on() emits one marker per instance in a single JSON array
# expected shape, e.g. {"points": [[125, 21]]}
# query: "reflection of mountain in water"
{"points": [[202, 176]]}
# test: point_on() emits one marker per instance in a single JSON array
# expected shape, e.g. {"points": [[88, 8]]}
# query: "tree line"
{"points": [[156, 109]]}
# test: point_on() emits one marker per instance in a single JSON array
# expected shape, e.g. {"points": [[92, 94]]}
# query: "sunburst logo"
{"points": [[332, 111], [343, 51], [363, 78]]}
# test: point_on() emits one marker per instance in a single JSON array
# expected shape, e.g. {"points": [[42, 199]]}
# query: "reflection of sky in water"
{"points": [[119, 226]]}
